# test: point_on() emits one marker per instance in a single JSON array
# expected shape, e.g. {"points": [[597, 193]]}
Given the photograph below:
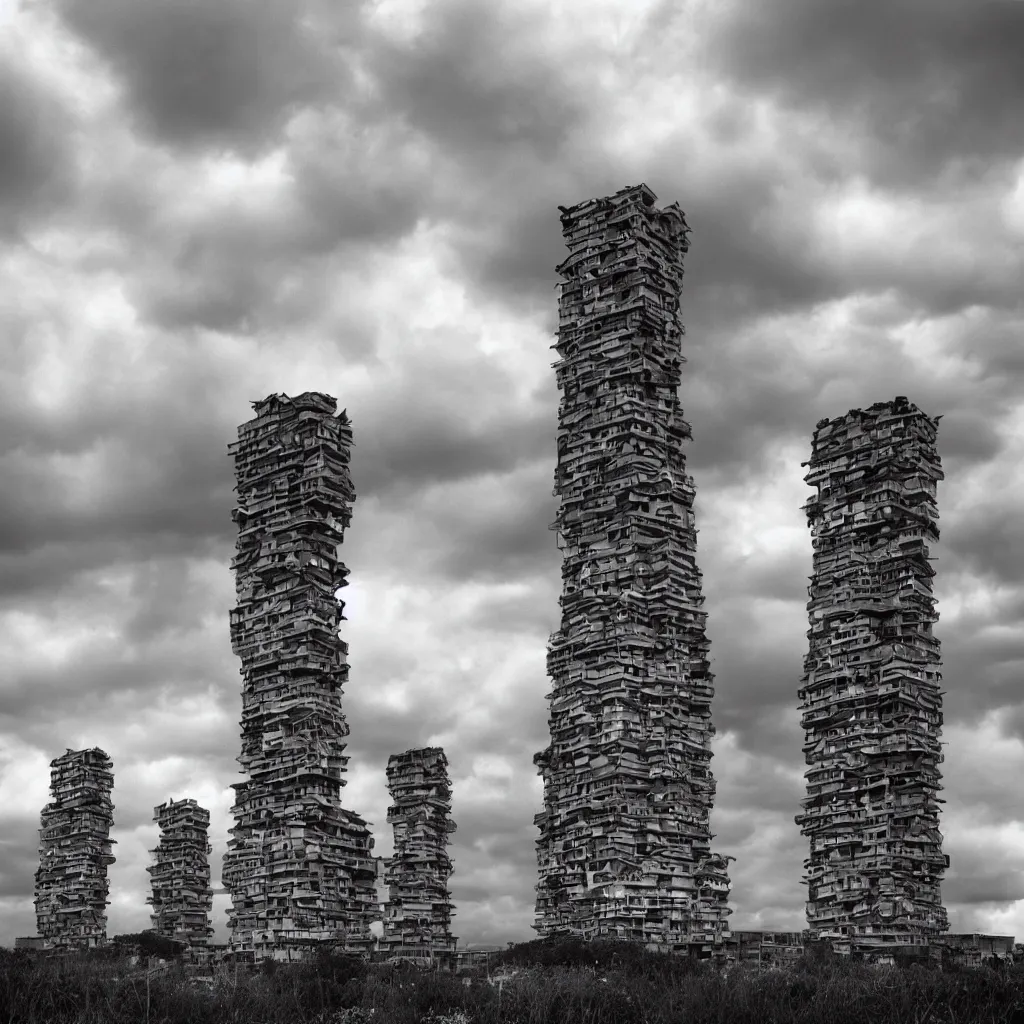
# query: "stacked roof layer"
{"points": [[299, 867], [418, 914], [180, 877], [624, 847], [75, 851], [872, 708]]}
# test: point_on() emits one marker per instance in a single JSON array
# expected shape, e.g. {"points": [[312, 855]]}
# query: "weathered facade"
{"points": [[75, 851], [381, 865], [783, 949], [417, 919], [872, 708], [299, 867], [624, 847], [180, 875], [970, 949]]}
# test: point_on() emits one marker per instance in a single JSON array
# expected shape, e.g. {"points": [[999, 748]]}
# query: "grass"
{"points": [[542, 982]]}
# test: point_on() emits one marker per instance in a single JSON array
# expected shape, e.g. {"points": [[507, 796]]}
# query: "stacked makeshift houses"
{"points": [[418, 914], [624, 849], [766, 949], [180, 877], [299, 867], [872, 708], [75, 851]]}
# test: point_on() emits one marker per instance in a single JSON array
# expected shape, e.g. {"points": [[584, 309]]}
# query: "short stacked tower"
{"points": [[417, 919], [872, 707], [75, 851], [180, 877]]}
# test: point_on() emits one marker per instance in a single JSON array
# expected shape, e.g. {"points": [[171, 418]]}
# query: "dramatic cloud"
{"points": [[224, 73], [204, 203], [36, 158], [935, 87]]}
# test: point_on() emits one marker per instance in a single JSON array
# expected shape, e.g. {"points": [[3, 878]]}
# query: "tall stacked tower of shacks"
{"points": [[624, 847], [299, 867], [75, 851], [872, 708], [180, 877], [417, 919]]}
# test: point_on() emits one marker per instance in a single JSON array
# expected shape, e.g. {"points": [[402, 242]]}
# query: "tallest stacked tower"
{"points": [[624, 849]]}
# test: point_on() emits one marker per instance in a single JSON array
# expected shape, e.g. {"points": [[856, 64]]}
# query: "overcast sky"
{"points": [[206, 201]]}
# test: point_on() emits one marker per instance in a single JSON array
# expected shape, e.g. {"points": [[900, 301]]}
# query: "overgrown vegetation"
{"points": [[542, 982]]}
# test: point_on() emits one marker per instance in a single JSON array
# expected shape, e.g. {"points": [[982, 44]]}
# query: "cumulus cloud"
{"points": [[36, 156], [223, 74], [932, 87]]}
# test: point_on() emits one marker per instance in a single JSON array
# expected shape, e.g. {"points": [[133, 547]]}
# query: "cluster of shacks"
{"points": [[624, 847], [624, 835], [180, 873], [871, 700]]}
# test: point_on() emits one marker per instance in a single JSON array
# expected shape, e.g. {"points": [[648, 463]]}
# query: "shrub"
{"points": [[336, 968], [596, 984]]}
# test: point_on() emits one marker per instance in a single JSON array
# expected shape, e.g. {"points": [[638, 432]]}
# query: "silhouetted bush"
{"points": [[335, 968]]}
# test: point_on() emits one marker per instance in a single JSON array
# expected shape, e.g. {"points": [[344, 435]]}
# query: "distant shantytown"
{"points": [[624, 840]]}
